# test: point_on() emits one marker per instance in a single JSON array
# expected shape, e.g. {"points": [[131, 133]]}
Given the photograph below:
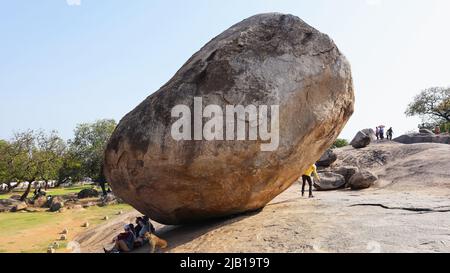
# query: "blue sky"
{"points": [[62, 63]]}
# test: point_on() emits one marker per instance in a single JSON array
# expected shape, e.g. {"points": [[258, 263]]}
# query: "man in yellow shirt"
{"points": [[306, 177]]}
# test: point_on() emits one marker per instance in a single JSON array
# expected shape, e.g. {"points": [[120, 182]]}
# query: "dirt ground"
{"points": [[407, 211]]}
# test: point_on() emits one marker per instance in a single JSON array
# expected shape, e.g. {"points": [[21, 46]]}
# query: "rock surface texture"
{"points": [[268, 59]]}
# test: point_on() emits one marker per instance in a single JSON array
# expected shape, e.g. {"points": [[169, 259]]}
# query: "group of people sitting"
{"points": [[133, 236]]}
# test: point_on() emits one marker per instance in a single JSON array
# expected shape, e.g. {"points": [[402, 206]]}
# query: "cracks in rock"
{"points": [[222, 96], [323, 51], [420, 210]]}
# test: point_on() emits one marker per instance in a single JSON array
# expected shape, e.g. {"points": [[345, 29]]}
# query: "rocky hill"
{"points": [[407, 210]]}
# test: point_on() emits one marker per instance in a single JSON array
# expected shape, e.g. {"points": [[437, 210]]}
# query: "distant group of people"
{"points": [[133, 236], [379, 133]]}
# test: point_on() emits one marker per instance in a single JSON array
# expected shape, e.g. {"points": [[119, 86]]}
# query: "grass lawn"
{"points": [[52, 191], [25, 232]]}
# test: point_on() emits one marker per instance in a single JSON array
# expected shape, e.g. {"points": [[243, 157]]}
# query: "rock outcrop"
{"points": [[266, 60], [424, 136]]}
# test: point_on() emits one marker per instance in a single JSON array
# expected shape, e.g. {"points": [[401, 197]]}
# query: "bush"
{"points": [[445, 127], [339, 143]]}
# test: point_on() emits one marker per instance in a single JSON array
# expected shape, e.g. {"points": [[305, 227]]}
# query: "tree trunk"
{"points": [[46, 185], [25, 194], [102, 185]]}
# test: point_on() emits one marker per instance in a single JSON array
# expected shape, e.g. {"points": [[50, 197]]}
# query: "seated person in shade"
{"points": [[145, 226], [124, 242]]}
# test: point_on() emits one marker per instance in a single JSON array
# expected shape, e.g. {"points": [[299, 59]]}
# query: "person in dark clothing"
{"points": [[132, 229], [149, 224], [381, 133], [390, 133], [306, 177], [124, 242], [138, 226]]}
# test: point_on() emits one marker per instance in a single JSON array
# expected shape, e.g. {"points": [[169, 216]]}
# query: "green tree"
{"points": [[24, 159], [88, 146], [4, 159], [432, 105], [50, 156], [35, 155], [71, 169]]}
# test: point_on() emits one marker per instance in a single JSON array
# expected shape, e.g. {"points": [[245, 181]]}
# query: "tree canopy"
{"points": [[88, 146], [432, 105], [39, 156]]}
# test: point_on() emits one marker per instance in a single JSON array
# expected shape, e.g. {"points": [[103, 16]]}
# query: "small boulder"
{"points": [[346, 171], [85, 225], [328, 158], [55, 204], [106, 218], [361, 140], [63, 237], [8, 204], [65, 231], [19, 207], [55, 245], [88, 193], [119, 212], [362, 180], [51, 250], [40, 202], [329, 181], [371, 133], [109, 199]]}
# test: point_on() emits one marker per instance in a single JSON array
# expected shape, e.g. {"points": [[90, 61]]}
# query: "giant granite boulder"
{"points": [[265, 61]]}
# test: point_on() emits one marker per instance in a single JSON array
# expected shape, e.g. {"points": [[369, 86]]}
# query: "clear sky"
{"points": [[63, 62]]}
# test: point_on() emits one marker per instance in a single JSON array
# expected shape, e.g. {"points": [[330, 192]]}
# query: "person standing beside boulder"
{"points": [[306, 177], [377, 133]]}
